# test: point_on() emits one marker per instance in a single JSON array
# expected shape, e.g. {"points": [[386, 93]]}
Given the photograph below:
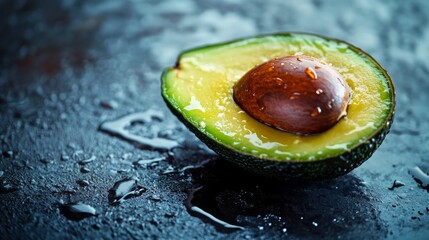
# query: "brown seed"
{"points": [[302, 107]]}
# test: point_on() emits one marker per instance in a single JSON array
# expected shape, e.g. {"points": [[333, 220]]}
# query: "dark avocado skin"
{"points": [[295, 170]]}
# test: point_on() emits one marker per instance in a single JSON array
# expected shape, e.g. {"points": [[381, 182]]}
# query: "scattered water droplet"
{"points": [[86, 161], [315, 224], [170, 169], [64, 157], [420, 177], [109, 104], [6, 187], [83, 183], [7, 154], [118, 128], [85, 170], [316, 111], [77, 211], [319, 91], [155, 198], [124, 189], [143, 162], [311, 73], [1, 173]]}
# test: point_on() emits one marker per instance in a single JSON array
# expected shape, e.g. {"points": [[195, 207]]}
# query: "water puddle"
{"points": [[125, 189], [119, 128], [233, 200], [77, 211]]}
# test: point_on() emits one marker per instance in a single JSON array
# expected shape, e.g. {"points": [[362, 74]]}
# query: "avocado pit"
{"points": [[296, 94]]}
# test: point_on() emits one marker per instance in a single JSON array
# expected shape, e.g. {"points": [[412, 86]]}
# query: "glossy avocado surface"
{"points": [[199, 92]]}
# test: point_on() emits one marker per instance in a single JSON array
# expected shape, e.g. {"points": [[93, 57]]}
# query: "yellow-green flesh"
{"points": [[200, 88]]}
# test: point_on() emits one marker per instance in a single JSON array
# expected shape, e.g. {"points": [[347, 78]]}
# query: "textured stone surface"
{"points": [[68, 66]]}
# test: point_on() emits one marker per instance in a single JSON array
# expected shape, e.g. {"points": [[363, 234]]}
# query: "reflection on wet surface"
{"points": [[235, 200]]}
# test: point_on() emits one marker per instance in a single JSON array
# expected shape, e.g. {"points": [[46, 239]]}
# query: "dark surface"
{"points": [[68, 66]]}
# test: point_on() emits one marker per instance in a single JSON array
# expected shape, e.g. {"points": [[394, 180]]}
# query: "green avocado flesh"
{"points": [[199, 91]]}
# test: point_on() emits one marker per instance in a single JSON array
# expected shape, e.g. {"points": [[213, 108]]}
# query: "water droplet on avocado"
{"points": [[124, 189], [319, 91], [316, 111], [77, 211], [311, 73]]}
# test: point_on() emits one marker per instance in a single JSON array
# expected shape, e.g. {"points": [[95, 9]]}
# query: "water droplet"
{"points": [[420, 177], [85, 170], [170, 169], [311, 73], [109, 104], [118, 128], [77, 211], [6, 187], [316, 111], [315, 224], [396, 184], [329, 105], [83, 183], [86, 161], [319, 91], [124, 189], [7, 154], [143, 162]]}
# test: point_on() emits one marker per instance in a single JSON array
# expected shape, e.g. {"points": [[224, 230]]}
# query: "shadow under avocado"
{"points": [[232, 199]]}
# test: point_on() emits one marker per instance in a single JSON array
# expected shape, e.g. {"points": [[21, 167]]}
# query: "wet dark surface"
{"points": [[68, 67]]}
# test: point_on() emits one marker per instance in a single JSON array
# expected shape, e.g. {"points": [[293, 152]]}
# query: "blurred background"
{"points": [[68, 66]]}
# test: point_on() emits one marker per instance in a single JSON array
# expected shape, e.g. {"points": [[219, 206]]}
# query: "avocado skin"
{"points": [[327, 168]]}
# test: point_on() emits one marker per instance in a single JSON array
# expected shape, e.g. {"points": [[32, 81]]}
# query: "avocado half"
{"points": [[198, 90]]}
